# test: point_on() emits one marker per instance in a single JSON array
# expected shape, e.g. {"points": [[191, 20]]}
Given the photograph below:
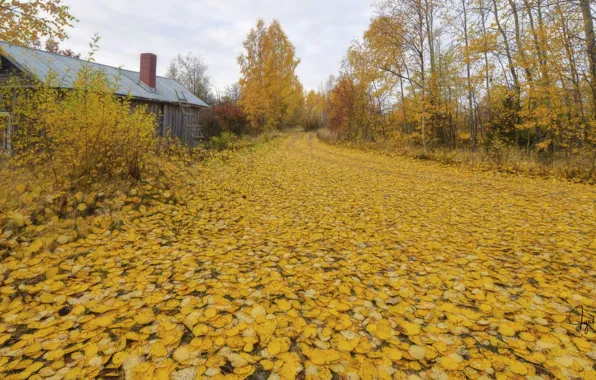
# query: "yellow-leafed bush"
{"points": [[80, 133]]}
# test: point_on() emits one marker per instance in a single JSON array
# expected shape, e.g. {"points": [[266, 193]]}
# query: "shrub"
{"points": [[497, 151], [79, 133], [225, 141], [230, 118]]}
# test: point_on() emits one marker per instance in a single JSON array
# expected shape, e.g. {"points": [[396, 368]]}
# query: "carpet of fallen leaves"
{"points": [[303, 260]]}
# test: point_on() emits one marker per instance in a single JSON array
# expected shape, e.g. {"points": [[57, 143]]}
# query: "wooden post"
{"points": [[9, 130], [7, 133]]}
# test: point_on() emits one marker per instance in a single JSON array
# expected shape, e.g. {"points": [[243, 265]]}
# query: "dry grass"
{"points": [[578, 166]]}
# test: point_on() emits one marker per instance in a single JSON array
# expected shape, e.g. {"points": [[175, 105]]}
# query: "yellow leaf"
{"points": [[258, 311], [291, 365], [582, 344], [51, 345], [528, 337], [119, 358], [340, 306], [182, 354], [417, 352], [91, 350], [448, 363], [267, 364], [200, 330], [346, 341], [32, 349], [411, 328], [105, 320], [274, 347], [518, 367], [506, 330], [368, 370], [158, 349], [283, 304], [211, 313], [144, 317], [392, 353], [54, 354], [237, 360], [383, 330]]}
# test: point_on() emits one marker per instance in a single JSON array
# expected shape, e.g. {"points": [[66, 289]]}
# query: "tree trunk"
{"points": [[537, 42], [518, 41], [507, 49], [486, 67], [590, 48], [574, 75], [471, 121]]}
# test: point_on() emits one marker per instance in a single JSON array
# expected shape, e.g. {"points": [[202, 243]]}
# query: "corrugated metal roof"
{"points": [[40, 64]]}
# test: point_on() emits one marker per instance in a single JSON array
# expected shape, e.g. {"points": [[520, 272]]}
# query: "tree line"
{"points": [[268, 95], [427, 72], [457, 73], [466, 72]]}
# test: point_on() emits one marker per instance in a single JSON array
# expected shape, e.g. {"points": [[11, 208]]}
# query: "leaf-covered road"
{"points": [[306, 260]]}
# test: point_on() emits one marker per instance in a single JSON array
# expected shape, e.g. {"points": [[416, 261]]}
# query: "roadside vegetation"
{"points": [[82, 159], [504, 84], [577, 166]]}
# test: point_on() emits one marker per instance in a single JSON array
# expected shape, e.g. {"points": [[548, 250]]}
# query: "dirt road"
{"points": [[306, 260]]}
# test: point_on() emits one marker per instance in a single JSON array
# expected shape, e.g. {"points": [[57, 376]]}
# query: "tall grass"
{"points": [[579, 165]]}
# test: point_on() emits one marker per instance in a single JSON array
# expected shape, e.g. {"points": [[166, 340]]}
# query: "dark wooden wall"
{"points": [[173, 121], [170, 120], [9, 72]]}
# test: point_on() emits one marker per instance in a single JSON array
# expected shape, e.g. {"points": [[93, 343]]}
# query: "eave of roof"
{"points": [[41, 64]]}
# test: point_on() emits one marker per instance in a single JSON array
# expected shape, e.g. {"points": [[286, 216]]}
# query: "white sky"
{"points": [[321, 30]]}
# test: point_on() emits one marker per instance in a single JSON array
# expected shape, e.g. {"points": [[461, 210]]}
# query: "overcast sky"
{"points": [[321, 30]]}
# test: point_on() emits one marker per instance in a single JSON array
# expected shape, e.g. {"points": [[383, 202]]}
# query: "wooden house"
{"points": [[177, 108]]}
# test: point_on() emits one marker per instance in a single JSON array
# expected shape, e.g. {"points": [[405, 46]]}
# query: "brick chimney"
{"points": [[149, 69]]}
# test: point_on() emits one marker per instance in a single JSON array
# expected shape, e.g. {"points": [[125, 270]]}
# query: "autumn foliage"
{"points": [[313, 116], [515, 75], [230, 117], [303, 260], [124, 256], [79, 134], [271, 94], [25, 22]]}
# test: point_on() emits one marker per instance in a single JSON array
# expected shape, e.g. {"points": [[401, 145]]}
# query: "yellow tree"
{"points": [[271, 92], [458, 72], [252, 82], [314, 110], [23, 22], [363, 64]]}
